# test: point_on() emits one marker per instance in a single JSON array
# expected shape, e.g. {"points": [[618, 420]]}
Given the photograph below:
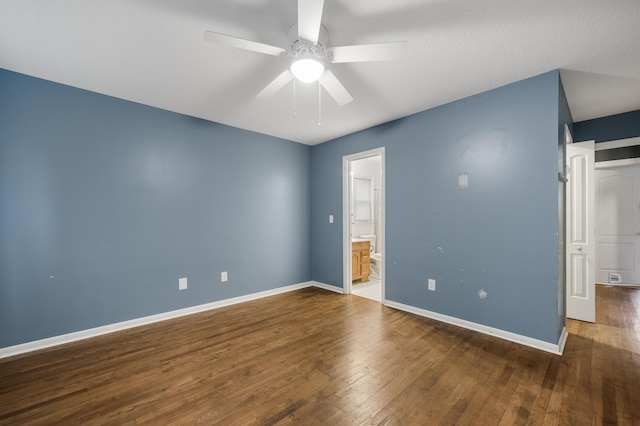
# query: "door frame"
{"points": [[619, 143], [346, 214]]}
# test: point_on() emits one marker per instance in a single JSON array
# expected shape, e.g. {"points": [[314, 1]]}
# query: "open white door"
{"points": [[581, 300]]}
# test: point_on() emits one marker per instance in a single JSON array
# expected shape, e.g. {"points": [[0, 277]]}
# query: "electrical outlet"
{"points": [[224, 277], [432, 285], [182, 283]]}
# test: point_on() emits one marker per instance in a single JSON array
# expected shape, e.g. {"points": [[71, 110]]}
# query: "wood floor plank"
{"points": [[316, 357]]}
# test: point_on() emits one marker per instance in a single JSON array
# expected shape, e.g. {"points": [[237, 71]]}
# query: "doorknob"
{"points": [[579, 248]]}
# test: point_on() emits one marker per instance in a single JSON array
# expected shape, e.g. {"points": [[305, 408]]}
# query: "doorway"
{"points": [[617, 195], [363, 227], [607, 251]]}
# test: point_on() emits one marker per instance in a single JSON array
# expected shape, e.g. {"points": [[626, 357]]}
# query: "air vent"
{"points": [[615, 278]]}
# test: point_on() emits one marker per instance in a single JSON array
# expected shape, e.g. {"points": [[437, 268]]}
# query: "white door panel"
{"points": [[618, 207], [579, 287], [580, 223], [615, 257], [615, 203]]}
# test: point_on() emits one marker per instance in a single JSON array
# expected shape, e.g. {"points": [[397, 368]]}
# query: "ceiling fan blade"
{"points": [[309, 19], [241, 43], [337, 91], [369, 52], [274, 87]]}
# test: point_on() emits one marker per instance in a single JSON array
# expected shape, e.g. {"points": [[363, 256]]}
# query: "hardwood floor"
{"points": [[316, 357]]}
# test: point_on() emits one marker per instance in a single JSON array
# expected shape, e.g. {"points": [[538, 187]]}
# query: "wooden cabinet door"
{"points": [[360, 261], [355, 265], [365, 265]]}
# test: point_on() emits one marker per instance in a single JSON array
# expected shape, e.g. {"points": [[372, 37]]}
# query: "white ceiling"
{"points": [[153, 52]]}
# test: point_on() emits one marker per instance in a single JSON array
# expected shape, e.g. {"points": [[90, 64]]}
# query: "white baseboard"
{"points": [[327, 287], [110, 328], [502, 334], [562, 341], [619, 285]]}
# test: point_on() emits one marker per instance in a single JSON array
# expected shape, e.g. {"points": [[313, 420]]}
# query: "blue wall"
{"points": [[564, 117], [499, 235], [611, 128], [105, 203]]}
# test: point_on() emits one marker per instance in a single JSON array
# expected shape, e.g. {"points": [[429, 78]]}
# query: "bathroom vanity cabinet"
{"points": [[360, 264]]}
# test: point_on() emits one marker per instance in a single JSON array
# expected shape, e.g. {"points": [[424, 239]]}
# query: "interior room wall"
{"points": [[492, 247], [105, 203], [611, 128]]}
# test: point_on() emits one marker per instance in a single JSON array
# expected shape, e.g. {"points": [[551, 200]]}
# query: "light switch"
{"points": [[182, 283], [431, 285], [330, 218]]}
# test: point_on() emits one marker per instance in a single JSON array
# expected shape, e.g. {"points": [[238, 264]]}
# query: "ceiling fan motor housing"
{"points": [[300, 46]]}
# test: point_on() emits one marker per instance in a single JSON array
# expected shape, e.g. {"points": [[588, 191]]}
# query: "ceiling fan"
{"points": [[309, 52]]}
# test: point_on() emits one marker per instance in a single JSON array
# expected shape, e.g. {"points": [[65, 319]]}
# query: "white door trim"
{"points": [[346, 218], [619, 143]]}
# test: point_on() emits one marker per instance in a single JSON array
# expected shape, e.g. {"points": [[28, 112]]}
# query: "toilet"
{"points": [[375, 258]]}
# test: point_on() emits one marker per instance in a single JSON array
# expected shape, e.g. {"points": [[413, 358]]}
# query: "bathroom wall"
{"points": [[492, 246], [369, 168], [105, 203]]}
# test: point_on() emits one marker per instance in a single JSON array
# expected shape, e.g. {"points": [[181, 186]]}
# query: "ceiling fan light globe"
{"points": [[307, 70]]}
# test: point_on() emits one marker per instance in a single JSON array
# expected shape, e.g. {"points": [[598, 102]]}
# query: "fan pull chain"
{"points": [[319, 104], [294, 98]]}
